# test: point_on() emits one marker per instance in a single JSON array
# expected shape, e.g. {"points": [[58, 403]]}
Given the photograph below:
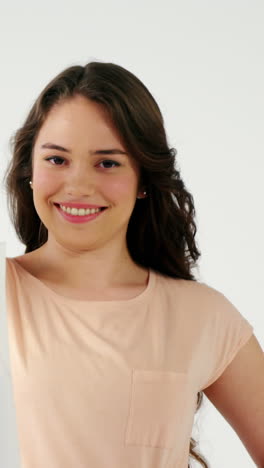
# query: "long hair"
{"points": [[161, 230]]}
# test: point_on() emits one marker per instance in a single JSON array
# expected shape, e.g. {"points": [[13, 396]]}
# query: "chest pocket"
{"points": [[161, 409]]}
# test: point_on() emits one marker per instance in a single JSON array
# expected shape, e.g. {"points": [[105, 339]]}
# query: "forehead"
{"points": [[79, 117], [81, 124]]}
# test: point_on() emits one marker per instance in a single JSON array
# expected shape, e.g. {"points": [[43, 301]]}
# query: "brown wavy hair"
{"points": [[161, 230]]}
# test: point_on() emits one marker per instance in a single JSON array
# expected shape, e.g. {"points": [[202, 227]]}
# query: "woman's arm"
{"points": [[239, 396]]}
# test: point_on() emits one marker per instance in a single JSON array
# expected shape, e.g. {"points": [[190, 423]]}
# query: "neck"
{"points": [[104, 268]]}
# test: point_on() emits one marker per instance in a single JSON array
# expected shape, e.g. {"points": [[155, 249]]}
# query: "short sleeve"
{"points": [[227, 332]]}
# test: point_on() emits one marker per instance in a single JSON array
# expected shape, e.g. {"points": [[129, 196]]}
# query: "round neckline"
{"points": [[126, 302]]}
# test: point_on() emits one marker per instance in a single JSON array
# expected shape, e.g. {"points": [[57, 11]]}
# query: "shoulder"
{"points": [[192, 290], [200, 302], [28, 262]]}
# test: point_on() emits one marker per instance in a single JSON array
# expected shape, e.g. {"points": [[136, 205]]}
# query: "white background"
{"points": [[203, 63]]}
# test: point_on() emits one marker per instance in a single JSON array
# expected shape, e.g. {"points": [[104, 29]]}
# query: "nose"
{"points": [[81, 183]]}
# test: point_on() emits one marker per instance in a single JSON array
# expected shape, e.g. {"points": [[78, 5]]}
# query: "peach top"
{"points": [[113, 384]]}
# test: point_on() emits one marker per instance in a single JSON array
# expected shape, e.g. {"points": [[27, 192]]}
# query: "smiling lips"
{"points": [[79, 217]]}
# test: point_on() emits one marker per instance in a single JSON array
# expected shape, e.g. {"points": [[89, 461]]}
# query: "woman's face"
{"points": [[83, 174]]}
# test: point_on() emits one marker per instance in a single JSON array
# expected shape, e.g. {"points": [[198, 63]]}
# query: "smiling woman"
{"points": [[104, 308]]}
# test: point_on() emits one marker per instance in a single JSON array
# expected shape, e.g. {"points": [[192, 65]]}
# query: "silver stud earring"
{"points": [[144, 193]]}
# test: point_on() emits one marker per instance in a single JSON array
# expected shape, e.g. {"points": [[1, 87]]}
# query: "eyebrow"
{"points": [[61, 148]]}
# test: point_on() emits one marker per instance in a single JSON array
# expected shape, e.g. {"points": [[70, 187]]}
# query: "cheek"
{"points": [[123, 187], [44, 182]]}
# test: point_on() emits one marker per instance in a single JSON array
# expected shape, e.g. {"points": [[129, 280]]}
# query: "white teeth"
{"points": [[79, 212]]}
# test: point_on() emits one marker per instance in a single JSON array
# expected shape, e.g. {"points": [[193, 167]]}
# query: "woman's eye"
{"points": [[55, 157], [111, 162]]}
